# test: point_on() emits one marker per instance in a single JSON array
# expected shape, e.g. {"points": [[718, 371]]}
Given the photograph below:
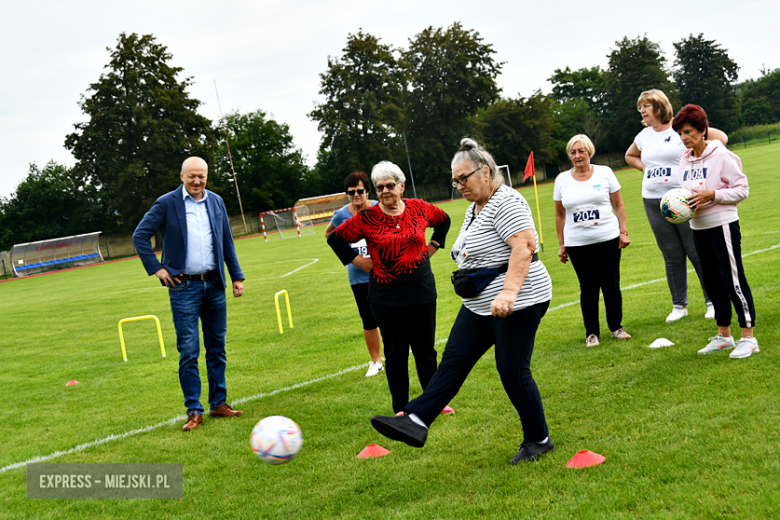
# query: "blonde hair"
{"points": [[471, 151], [662, 107], [585, 140]]}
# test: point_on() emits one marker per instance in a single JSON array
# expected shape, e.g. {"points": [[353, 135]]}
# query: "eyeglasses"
{"points": [[351, 193], [389, 187], [463, 180]]}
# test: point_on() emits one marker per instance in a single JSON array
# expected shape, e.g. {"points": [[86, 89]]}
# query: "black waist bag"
{"points": [[468, 283]]}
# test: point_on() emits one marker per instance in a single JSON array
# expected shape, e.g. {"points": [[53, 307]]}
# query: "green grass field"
{"points": [[685, 436]]}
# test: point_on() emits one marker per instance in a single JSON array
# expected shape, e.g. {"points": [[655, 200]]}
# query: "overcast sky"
{"points": [[269, 54]]}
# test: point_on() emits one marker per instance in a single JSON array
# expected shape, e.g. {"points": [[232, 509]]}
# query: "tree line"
{"points": [[409, 105]]}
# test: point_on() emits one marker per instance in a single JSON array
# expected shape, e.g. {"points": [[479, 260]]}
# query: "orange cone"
{"points": [[585, 459], [371, 451], [71, 383]]}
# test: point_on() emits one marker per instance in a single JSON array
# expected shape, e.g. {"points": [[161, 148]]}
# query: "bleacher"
{"points": [[58, 253], [322, 207]]}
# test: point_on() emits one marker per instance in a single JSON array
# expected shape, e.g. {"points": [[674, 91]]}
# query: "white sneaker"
{"points": [[373, 368], [621, 334], [710, 314], [592, 341], [677, 313], [745, 347], [718, 343]]}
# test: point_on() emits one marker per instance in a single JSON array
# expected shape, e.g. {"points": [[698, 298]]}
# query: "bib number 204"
{"points": [[586, 217]]}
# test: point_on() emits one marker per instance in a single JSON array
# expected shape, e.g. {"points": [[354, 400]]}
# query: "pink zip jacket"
{"points": [[717, 169]]}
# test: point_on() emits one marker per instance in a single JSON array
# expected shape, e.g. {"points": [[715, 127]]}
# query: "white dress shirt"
{"points": [[200, 242]]}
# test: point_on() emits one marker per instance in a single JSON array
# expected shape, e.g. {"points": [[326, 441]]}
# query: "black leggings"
{"points": [[471, 336], [402, 328], [360, 290], [598, 267]]}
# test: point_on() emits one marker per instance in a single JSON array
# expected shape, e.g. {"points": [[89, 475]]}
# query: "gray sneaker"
{"points": [[745, 348], [718, 343]]}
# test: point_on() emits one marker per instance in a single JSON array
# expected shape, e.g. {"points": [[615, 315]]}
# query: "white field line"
{"points": [[82, 447], [180, 418], [561, 306], [315, 260], [301, 267]]}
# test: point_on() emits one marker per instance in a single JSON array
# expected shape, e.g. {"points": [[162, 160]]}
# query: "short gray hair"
{"points": [[387, 170], [471, 151]]}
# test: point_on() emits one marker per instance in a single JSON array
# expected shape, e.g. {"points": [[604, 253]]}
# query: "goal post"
{"points": [[286, 222], [504, 171]]}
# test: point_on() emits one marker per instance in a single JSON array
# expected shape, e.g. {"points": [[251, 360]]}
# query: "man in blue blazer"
{"points": [[197, 243]]}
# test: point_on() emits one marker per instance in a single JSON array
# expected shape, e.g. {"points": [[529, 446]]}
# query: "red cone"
{"points": [[71, 383], [372, 450], [585, 459]]}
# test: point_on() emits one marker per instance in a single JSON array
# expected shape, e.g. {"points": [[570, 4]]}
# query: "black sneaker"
{"points": [[530, 451], [401, 428]]}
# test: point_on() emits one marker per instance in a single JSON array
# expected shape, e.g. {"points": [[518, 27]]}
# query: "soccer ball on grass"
{"points": [[276, 439], [675, 206]]}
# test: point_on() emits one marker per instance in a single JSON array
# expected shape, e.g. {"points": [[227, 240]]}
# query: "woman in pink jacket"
{"points": [[714, 175]]}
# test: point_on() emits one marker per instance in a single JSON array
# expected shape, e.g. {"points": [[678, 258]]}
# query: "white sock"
{"points": [[417, 420]]}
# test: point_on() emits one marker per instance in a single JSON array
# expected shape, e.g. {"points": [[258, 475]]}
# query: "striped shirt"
{"points": [[482, 243]]}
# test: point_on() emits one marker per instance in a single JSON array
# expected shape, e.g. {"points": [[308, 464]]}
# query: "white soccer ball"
{"points": [[675, 206], [276, 439]]}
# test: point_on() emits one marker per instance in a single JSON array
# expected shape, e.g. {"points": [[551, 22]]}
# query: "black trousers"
{"points": [[402, 328], [720, 251], [471, 336], [360, 290], [598, 268]]}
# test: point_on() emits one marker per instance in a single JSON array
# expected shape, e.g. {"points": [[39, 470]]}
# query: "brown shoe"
{"points": [[224, 410], [193, 420]]}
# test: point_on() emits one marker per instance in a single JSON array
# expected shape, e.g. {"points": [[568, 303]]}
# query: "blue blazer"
{"points": [[168, 217]]}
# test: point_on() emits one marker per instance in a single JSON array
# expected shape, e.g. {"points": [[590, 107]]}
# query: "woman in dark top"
{"points": [[402, 289]]}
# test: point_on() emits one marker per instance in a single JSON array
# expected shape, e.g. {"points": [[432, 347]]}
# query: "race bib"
{"points": [[586, 216], [360, 248], [658, 175]]}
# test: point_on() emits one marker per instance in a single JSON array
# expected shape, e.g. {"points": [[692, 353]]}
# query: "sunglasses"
{"points": [[389, 187], [351, 193]]}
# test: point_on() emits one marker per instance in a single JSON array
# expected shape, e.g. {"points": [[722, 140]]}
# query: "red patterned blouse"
{"points": [[402, 274]]}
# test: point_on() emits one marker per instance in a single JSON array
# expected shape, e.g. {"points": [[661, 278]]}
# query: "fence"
{"points": [[752, 135], [5, 265]]}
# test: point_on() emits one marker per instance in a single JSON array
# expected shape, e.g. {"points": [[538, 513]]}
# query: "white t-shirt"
{"points": [[661, 153], [482, 243], [589, 216]]}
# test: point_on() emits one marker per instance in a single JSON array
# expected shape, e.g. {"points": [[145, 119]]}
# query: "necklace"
{"points": [[576, 174], [394, 218]]}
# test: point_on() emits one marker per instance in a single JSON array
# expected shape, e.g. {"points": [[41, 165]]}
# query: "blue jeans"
{"points": [[204, 300]]}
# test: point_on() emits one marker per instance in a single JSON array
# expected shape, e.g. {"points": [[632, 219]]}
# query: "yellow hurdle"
{"points": [[139, 318], [278, 311]]}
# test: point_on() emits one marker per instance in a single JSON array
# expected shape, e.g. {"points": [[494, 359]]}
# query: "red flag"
{"points": [[530, 171]]}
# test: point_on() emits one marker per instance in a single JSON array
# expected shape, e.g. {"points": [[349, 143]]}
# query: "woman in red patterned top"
{"points": [[401, 286]]}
